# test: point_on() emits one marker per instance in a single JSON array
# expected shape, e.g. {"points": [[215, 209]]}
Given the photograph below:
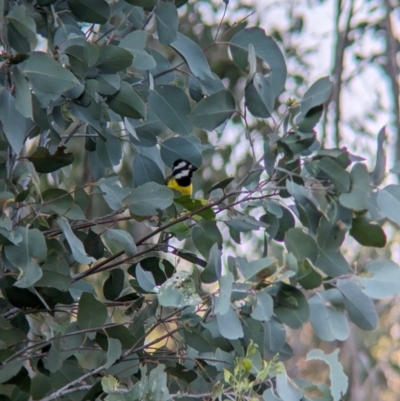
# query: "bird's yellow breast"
{"points": [[183, 190]]}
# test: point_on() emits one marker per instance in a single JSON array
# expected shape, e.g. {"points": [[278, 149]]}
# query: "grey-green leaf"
{"points": [[127, 102], [327, 316], [212, 271], [213, 110], [356, 199], [123, 239], [145, 278], [91, 312], [266, 48], [14, 124], [388, 201], [260, 97], [47, 75], [204, 235], [317, 94], [147, 199], [113, 192], [77, 248], [193, 55], [337, 377], [114, 351], [167, 22], [380, 279], [229, 325], [360, 308], [264, 307], [302, 245], [223, 301], [172, 107]]}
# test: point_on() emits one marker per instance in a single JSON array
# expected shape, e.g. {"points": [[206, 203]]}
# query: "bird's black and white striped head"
{"points": [[182, 171]]}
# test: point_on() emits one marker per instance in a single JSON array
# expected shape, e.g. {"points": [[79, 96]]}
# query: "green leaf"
{"points": [[301, 244], [55, 358], [94, 245], [265, 48], [22, 93], [123, 239], [332, 263], [229, 325], [135, 42], [327, 316], [47, 75], [223, 300], [27, 255], [113, 59], [91, 312], [78, 251], [334, 172], [286, 222], [178, 291], [178, 147], [367, 233], [250, 270], [333, 226], [10, 370], [259, 96], [212, 271], [57, 200], [148, 166], [286, 388], [338, 379], [14, 124], [19, 17], [356, 199], [316, 95], [114, 351], [172, 107], [380, 279], [45, 162], [275, 334], [109, 149], [213, 110], [114, 193], [378, 173], [93, 11], [221, 184], [194, 204], [127, 102], [55, 275], [307, 275], [145, 279], [291, 307], [108, 84], [114, 284], [360, 308], [9, 334], [244, 224], [167, 23], [192, 53], [204, 235], [388, 201], [147, 199], [264, 307]]}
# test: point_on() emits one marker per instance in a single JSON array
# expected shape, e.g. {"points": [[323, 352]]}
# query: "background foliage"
{"points": [[97, 98]]}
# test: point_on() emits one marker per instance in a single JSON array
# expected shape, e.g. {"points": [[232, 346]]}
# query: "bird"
{"points": [[181, 177]]}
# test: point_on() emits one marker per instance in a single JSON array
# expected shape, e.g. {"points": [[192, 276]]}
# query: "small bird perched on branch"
{"points": [[181, 177]]}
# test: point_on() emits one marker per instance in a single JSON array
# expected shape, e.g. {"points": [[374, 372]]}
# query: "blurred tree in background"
{"points": [[265, 288]]}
